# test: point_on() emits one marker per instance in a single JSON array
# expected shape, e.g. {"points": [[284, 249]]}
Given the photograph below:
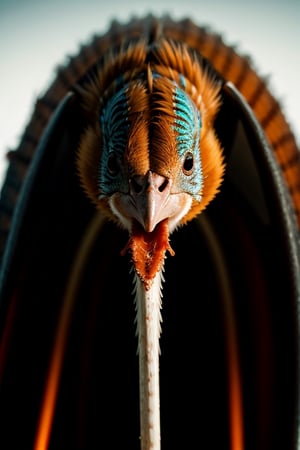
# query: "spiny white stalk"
{"points": [[148, 309]]}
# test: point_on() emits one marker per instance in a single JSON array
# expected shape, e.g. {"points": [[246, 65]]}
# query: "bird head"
{"points": [[149, 157]]}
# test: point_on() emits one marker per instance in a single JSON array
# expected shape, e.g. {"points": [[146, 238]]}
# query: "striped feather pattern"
{"points": [[227, 62]]}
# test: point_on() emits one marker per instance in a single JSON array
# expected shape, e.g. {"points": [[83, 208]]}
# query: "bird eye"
{"points": [[188, 164], [113, 165]]}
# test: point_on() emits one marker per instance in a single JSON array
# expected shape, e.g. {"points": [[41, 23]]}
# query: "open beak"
{"points": [[150, 212], [150, 207]]}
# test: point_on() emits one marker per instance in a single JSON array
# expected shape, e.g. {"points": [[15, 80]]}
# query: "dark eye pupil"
{"points": [[112, 165], [188, 164]]}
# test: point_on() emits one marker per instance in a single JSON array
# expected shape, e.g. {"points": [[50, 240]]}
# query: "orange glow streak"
{"points": [[234, 383], [55, 368], [234, 374], [52, 384]]}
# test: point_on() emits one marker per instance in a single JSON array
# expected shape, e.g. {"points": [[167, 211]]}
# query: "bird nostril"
{"points": [[163, 186], [139, 184], [136, 186]]}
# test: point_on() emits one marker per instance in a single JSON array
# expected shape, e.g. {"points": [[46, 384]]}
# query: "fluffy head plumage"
{"points": [[145, 85]]}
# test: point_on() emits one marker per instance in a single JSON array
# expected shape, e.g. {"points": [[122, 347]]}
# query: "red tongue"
{"points": [[148, 250]]}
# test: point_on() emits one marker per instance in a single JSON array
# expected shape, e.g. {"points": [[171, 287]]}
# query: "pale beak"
{"points": [[150, 195]]}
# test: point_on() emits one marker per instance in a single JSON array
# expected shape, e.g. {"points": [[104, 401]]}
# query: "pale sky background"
{"points": [[36, 35]]}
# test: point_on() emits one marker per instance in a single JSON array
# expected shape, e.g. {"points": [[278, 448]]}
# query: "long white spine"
{"points": [[148, 308]]}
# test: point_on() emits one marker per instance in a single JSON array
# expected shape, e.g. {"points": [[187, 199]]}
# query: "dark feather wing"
{"points": [[245, 244]]}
